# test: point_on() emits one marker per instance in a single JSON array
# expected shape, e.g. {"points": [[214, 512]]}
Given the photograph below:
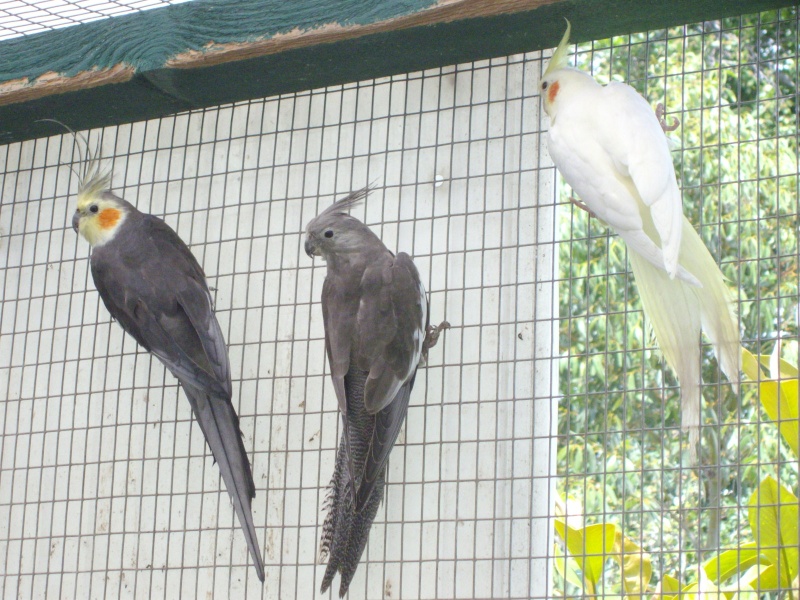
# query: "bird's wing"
{"points": [[151, 283], [633, 137], [153, 286], [391, 328], [339, 304], [391, 324]]}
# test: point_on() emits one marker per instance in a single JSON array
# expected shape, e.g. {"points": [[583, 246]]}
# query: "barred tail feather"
{"points": [[346, 530], [679, 311]]}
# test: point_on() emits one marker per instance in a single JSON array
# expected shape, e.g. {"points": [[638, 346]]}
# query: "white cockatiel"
{"points": [[610, 147]]}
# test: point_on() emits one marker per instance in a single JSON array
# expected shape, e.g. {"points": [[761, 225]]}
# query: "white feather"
{"points": [[609, 146]]}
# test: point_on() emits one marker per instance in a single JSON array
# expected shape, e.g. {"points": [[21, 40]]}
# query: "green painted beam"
{"points": [[209, 52]]}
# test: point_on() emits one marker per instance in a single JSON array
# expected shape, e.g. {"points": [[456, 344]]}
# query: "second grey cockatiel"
{"points": [[375, 313], [154, 287]]}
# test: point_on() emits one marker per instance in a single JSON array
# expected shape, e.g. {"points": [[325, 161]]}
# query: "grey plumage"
{"points": [[375, 313], [154, 287]]}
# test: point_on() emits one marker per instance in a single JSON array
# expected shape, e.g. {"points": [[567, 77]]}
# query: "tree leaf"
{"points": [[634, 564], [750, 366], [773, 516], [726, 564], [786, 368], [780, 401], [590, 547], [567, 567], [669, 584]]}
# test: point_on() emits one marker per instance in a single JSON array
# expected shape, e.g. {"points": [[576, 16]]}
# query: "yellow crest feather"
{"points": [[93, 181], [560, 57]]}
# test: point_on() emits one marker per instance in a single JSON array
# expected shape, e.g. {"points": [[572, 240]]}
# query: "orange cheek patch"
{"points": [[551, 93], [108, 218]]}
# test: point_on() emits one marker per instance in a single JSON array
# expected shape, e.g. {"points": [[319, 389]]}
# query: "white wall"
{"points": [[106, 487]]}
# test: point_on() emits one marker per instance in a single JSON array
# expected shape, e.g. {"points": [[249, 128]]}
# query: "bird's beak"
{"points": [[311, 248], [75, 220]]}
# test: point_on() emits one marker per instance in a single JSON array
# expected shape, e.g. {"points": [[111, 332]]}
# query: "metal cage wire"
{"points": [[24, 17], [102, 468], [106, 487]]}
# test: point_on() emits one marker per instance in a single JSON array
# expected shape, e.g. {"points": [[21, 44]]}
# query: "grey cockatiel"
{"points": [[375, 313], [152, 285]]}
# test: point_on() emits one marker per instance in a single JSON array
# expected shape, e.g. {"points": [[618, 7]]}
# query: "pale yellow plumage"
{"points": [[608, 145]]}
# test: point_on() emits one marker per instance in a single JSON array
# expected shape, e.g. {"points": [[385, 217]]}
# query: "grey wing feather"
{"points": [[387, 426], [391, 322], [152, 284], [394, 368]]}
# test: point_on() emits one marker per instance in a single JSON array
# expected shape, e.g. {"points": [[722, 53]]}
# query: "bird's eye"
{"points": [[93, 208], [544, 85], [329, 233]]}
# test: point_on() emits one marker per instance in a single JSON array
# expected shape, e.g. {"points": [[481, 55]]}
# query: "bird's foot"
{"points": [[582, 206], [432, 334], [660, 113], [431, 337]]}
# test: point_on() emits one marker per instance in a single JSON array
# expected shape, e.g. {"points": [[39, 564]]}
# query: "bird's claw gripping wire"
{"points": [[660, 114]]}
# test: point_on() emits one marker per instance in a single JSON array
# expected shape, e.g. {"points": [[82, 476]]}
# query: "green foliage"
{"points": [[733, 84], [591, 547]]}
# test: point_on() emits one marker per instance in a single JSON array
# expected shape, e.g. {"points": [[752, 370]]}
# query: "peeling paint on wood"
{"points": [[210, 52], [22, 90]]}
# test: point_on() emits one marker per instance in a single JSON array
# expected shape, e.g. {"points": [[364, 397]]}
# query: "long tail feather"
{"points": [[678, 311], [346, 530], [220, 425]]}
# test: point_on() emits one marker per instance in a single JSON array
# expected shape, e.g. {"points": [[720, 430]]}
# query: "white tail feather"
{"points": [[677, 311]]}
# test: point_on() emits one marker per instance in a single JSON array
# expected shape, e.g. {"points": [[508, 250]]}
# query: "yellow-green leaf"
{"points": [[766, 580], [786, 368], [589, 546], [781, 403], [773, 516], [750, 366], [726, 564], [669, 584], [778, 399], [567, 567], [634, 564]]}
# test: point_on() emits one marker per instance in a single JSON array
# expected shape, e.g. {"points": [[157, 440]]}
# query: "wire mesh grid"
{"points": [[733, 86], [24, 17], [107, 488]]}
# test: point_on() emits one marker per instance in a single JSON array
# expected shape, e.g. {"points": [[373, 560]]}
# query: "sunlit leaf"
{"points": [[780, 401], [786, 368], [750, 366], [590, 547], [670, 584], [765, 579], [773, 516], [634, 564], [567, 567], [723, 566]]}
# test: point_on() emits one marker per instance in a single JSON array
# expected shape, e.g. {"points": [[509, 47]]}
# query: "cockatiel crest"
{"points": [[334, 231], [99, 213]]}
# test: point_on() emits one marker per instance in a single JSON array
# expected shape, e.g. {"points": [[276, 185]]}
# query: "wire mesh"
{"points": [[733, 86], [107, 489], [26, 17]]}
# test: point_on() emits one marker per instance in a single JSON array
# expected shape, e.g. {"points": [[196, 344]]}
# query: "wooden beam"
{"points": [[209, 52]]}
